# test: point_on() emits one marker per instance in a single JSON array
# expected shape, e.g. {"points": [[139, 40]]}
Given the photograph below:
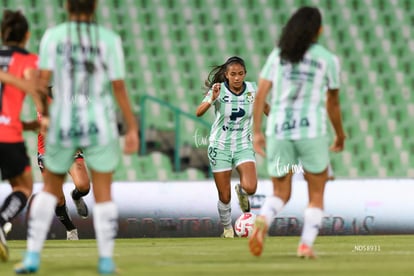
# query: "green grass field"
{"points": [[338, 255]]}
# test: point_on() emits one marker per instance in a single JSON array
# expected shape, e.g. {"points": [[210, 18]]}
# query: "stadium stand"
{"points": [[170, 46]]}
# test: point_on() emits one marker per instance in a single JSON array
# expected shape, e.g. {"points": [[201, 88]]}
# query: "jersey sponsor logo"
{"points": [[5, 120], [225, 128], [237, 113], [307, 61], [67, 48], [291, 124], [78, 131], [249, 98]]}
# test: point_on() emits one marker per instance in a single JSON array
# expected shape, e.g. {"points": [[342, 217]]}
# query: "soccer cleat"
{"points": [[30, 264], [256, 240], [4, 251], [106, 266], [228, 233], [243, 199], [72, 235], [81, 207], [305, 251]]}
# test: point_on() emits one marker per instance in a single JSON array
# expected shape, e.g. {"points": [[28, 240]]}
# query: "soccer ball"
{"points": [[244, 225]]}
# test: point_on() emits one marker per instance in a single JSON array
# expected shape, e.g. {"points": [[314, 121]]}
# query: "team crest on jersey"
{"points": [[249, 97]]}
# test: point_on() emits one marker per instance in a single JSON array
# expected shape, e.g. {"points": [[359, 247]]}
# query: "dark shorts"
{"points": [[13, 159], [40, 159]]}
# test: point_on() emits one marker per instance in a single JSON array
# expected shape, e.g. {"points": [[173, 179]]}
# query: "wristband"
{"points": [[210, 101]]}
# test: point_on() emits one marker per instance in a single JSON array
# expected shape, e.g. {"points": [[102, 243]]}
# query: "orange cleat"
{"points": [[257, 238], [306, 252]]}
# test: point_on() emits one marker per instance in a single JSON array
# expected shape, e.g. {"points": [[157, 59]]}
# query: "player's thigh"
{"points": [[281, 156], [103, 158], [245, 163], [58, 159], [313, 154]]}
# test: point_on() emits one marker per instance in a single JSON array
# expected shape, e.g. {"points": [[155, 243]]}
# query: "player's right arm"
{"points": [[131, 136], [208, 100], [116, 74]]}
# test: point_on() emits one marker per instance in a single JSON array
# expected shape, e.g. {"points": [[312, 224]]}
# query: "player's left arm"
{"points": [[121, 96], [32, 86]]}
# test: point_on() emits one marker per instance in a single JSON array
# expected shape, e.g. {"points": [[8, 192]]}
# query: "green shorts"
{"points": [[101, 158], [226, 160], [310, 155]]}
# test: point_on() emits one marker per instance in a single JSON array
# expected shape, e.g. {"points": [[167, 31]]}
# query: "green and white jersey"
{"points": [[299, 93], [83, 110], [232, 128]]}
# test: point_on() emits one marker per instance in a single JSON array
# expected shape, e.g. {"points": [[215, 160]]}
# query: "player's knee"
{"points": [[225, 198], [249, 187], [83, 186]]}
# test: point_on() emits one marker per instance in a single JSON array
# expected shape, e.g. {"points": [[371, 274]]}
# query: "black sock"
{"points": [[63, 215], [76, 194], [12, 206]]}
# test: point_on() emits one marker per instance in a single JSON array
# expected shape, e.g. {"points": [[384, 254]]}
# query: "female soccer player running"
{"points": [[87, 63], [14, 162], [304, 79], [230, 137]]}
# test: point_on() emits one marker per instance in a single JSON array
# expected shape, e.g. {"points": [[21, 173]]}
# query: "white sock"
{"points": [[271, 207], [42, 212], [311, 223], [224, 211], [105, 221]]}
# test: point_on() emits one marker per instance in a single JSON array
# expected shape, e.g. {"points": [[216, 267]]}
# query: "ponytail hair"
{"points": [[217, 74], [299, 33], [14, 26]]}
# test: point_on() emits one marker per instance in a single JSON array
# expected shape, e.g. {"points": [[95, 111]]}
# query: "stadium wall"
{"points": [[188, 209]]}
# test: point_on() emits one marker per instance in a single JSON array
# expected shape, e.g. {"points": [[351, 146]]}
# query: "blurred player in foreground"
{"points": [[87, 64], [14, 161], [304, 79], [230, 136], [80, 178]]}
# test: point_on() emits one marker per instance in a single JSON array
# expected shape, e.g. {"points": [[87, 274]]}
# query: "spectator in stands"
{"points": [[87, 63], [230, 142], [14, 162], [304, 79]]}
